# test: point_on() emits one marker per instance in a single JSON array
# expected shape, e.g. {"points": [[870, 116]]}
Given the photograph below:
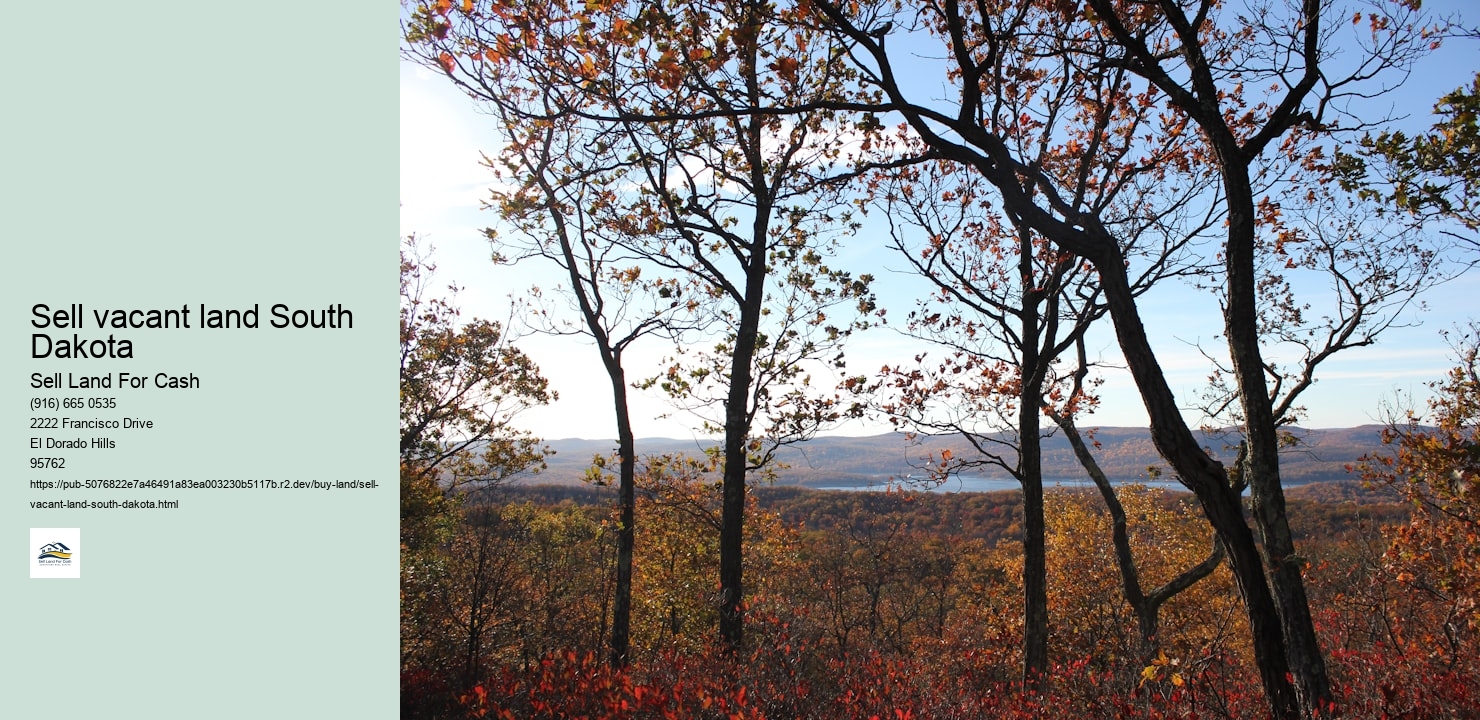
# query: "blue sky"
{"points": [[442, 185]]}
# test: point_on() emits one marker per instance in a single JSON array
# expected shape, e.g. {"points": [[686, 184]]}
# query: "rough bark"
{"points": [[1201, 99], [1261, 436]]}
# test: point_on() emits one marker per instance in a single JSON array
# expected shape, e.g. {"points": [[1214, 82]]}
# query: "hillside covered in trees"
{"points": [[1125, 454], [865, 596]]}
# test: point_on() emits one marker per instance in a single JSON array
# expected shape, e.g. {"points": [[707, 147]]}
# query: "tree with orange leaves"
{"points": [[747, 206], [1243, 95], [1008, 307], [1433, 461]]}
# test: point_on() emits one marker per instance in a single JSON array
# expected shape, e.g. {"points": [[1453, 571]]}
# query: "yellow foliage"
{"points": [[1089, 614]]}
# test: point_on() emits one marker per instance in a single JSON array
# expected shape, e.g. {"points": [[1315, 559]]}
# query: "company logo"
{"points": [[56, 551]]}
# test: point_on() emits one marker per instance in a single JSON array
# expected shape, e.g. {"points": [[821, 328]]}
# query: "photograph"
{"points": [[1010, 359]]}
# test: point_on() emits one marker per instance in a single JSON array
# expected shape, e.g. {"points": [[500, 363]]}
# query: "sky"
{"points": [[443, 184]]}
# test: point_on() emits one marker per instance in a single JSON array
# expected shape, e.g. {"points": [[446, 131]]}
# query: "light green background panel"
{"points": [[236, 156]]}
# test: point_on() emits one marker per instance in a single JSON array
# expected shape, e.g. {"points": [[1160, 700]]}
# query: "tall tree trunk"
{"points": [[1035, 554], [742, 357], [736, 460], [1030, 471], [1207, 479], [626, 516], [737, 424], [1261, 436], [611, 360]]}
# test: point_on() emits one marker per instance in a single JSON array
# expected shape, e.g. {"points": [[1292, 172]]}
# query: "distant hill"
{"points": [[1124, 453]]}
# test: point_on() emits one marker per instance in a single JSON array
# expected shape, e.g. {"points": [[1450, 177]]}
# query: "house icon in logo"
{"points": [[55, 550], [60, 552]]}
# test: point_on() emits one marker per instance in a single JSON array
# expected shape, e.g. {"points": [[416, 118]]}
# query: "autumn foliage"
{"points": [[1432, 562], [896, 605], [1065, 158]]}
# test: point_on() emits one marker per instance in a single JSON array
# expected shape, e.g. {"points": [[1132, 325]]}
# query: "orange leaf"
{"points": [[787, 68]]}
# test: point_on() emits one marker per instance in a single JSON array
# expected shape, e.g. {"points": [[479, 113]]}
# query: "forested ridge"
{"points": [[1329, 511], [1126, 454], [872, 602]]}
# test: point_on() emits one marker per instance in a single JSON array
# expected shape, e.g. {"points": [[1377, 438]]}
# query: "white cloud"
{"points": [[441, 142]]}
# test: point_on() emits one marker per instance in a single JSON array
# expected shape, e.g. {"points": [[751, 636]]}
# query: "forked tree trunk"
{"points": [[1146, 605], [1208, 480]]}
